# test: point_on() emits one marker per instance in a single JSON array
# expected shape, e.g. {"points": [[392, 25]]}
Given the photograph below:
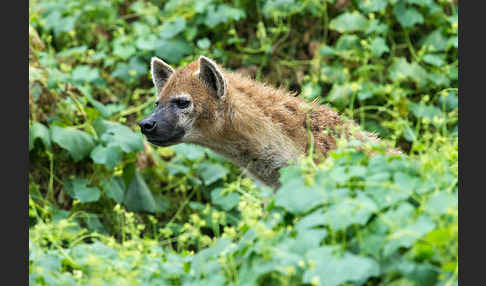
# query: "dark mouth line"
{"points": [[162, 142]]}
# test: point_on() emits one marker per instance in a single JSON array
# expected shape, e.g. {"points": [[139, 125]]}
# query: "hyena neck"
{"points": [[253, 143]]}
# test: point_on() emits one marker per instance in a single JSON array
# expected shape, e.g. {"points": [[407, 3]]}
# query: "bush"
{"points": [[105, 207]]}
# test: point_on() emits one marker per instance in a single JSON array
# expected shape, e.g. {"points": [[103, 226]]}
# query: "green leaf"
{"points": [[114, 134], [441, 203], [147, 43], [435, 41], [350, 211], [78, 143], [227, 201], [39, 131], [311, 220], [311, 91], [108, 156], [296, 197], [173, 50], [138, 196], [203, 43], [407, 17], [340, 95], [409, 133], [434, 59], [210, 172], [349, 22], [172, 28], [222, 14], [124, 51], [402, 70], [85, 73], [334, 269], [58, 23], [189, 151], [406, 237], [114, 188], [421, 110], [130, 71], [369, 6], [78, 189], [378, 46]]}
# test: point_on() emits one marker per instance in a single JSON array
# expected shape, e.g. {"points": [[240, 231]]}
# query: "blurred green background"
{"points": [[105, 207]]}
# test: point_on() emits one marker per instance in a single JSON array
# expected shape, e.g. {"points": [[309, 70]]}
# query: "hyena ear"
{"points": [[160, 73], [212, 77]]}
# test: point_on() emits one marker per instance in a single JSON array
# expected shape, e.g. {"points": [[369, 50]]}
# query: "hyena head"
{"points": [[188, 101]]}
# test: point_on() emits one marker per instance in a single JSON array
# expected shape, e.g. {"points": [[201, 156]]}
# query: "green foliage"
{"points": [[107, 208]]}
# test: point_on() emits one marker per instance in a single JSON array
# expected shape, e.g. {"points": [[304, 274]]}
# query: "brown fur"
{"points": [[256, 126]]}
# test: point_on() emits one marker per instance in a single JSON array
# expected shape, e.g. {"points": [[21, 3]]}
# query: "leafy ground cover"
{"points": [[105, 207]]}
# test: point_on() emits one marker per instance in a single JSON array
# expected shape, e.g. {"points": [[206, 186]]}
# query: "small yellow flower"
{"points": [[315, 280], [290, 270], [355, 87]]}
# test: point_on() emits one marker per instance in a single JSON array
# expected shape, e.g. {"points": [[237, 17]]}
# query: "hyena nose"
{"points": [[147, 125]]}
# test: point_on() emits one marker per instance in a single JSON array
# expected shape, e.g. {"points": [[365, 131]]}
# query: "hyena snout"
{"points": [[147, 125]]}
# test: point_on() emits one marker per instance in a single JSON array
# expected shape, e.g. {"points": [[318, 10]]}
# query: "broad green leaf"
{"points": [[349, 22], [434, 59], [334, 269], [130, 71], [449, 102], [172, 50], [85, 73], [311, 91], [404, 182], [172, 28], [435, 41], [221, 14], [210, 172], [402, 70], [347, 43], [339, 174], [115, 134], [407, 17], [78, 189], [114, 188], [441, 203], [109, 156], [378, 46], [147, 43], [204, 43], [58, 23], [39, 131], [357, 171], [368, 6], [189, 151], [350, 211], [227, 201], [311, 220], [340, 95], [297, 198], [124, 51], [406, 236], [138, 196], [409, 134], [421, 110], [78, 143]]}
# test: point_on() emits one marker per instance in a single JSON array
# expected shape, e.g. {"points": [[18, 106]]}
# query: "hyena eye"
{"points": [[181, 103]]}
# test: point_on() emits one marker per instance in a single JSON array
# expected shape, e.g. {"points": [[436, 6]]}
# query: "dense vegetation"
{"points": [[106, 208]]}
